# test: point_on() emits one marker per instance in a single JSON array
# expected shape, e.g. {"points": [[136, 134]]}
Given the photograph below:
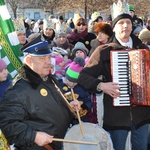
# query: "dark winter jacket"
{"points": [[99, 64], [33, 105]]}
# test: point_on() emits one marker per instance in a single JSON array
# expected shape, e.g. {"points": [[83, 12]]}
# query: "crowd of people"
{"points": [[60, 56]]}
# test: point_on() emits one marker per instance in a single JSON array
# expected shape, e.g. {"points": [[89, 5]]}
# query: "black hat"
{"points": [[119, 17], [61, 18], [37, 47], [40, 22]]}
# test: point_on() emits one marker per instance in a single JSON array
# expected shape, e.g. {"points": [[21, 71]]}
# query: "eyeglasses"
{"points": [[83, 24]]}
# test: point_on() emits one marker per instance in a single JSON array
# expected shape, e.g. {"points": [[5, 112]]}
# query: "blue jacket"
{"points": [[4, 85]]}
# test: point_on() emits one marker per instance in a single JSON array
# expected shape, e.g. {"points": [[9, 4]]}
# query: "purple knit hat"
{"points": [[2, 65], [74, 69]]}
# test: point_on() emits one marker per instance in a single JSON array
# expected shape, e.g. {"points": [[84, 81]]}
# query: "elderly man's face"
{"points": [[40, 64], [123, 29]]}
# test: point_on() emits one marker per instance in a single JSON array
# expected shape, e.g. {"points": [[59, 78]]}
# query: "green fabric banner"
{"points": [[9, 44]]}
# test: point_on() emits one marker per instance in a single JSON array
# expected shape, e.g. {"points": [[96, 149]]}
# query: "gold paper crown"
{"points": [[61, 28], [119, 8], [76, 17], [95, 15], [48, 24], [19, 25]]}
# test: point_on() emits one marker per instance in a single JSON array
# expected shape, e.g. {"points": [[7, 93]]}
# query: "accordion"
{"points": [[131, 70]]}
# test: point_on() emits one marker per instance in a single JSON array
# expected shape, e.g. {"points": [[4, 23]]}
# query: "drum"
{"points": [[93, 133]]}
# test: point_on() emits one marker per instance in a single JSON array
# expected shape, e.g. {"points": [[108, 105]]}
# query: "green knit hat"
{"points": [[131, 8]]}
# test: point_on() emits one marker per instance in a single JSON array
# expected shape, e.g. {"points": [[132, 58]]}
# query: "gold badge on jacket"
{"points": [[65, 88], [87, 42], [43, 92]]}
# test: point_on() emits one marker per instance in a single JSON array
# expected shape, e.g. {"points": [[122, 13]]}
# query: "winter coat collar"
{"points": [[137, 44], [95, 43], [28, 75]]}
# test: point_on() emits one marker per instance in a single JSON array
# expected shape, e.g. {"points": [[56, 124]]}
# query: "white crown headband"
{"points": [[119, 8]]}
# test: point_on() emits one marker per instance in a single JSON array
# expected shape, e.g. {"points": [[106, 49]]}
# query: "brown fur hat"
{"points": [[104, 28]]}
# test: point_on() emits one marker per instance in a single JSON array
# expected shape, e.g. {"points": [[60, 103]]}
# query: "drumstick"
{"points": [[64, 99], [75, 141], [78, 115]]}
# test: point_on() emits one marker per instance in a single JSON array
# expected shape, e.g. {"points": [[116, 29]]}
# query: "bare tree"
{"points": [[14, 4], [89, 6]]}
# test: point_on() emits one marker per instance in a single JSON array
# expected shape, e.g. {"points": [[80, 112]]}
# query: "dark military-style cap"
{"points": [[37, 47]]}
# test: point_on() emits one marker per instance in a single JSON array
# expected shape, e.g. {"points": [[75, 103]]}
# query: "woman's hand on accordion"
{"points": [[110, 88]]}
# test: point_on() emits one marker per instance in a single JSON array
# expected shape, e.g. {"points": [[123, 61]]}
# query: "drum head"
{"points": [[93, 133]]}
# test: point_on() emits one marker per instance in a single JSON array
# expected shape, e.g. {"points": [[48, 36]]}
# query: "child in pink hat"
{"points": [[59, 66], [71, 81], [5, 82]]}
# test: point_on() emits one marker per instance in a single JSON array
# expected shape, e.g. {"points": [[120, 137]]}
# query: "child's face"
{"points": [[80, 53], [22, 37], [71, 84], [3, 75], [61, 39]]}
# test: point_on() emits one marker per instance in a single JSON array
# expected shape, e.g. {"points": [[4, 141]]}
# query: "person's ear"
{"points": [[27, 60]]}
